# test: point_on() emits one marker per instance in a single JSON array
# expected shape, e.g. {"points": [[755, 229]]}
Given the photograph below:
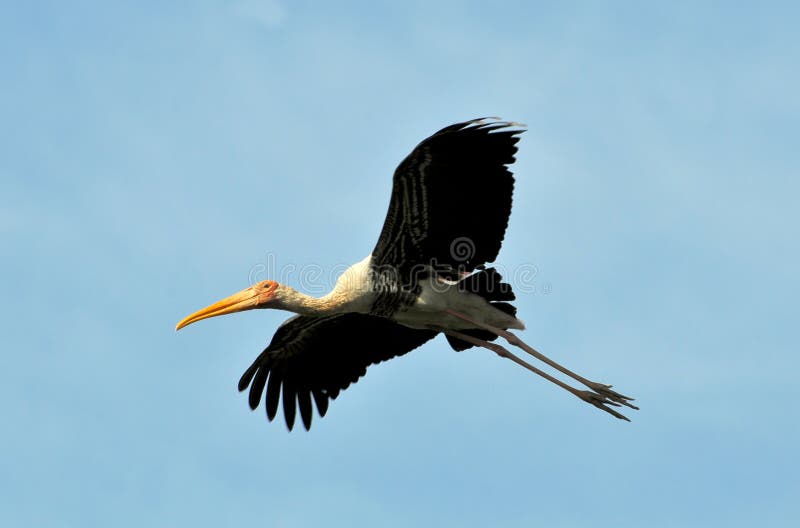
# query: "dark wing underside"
{"points": [[317, 357], [451, 199]]}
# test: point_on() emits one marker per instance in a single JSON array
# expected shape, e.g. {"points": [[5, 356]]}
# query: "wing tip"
{"points": [[492, 123]]}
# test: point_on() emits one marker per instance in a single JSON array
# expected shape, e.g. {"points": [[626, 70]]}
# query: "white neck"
{"points": [[294, 301], [352, 293]]}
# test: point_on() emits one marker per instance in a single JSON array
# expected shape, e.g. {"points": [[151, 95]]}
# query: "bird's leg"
{"points": [[512, 339], [598, 400]]}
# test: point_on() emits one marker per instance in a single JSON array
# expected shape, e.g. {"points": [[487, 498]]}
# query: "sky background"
{"points": [[155, 157]]}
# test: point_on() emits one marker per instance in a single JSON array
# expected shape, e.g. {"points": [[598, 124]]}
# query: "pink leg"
{"points": [[599, 388], [598, 400]]}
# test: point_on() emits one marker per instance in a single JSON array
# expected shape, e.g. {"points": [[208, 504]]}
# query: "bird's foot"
{"points": [[605, 390], [601, 402]]}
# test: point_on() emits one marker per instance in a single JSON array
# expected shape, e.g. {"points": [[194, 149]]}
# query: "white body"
{"points": [[354, 293]]}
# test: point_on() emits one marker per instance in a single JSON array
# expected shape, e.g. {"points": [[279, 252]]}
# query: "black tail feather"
{"points": [[488, 284]]}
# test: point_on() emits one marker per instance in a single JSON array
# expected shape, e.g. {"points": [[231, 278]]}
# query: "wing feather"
{"points": [[451, 199], [319, 357], [289, 402], [273, 390]]}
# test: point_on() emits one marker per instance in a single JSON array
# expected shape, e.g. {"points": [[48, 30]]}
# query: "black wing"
{"points": [[451, 199], [316, 357]]}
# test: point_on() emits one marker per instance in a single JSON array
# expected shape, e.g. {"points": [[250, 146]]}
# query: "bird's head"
{"points": [[261, 295]]}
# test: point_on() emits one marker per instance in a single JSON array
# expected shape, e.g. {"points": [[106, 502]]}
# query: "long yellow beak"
{"points": [[244, 300]]}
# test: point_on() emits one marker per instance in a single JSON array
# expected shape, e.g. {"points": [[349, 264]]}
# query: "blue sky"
{"points": [[155, 156]]}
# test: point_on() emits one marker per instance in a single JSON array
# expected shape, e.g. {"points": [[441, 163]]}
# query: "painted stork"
{"points": [[448, 212]]}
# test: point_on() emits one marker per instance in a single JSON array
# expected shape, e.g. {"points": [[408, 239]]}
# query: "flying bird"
{"points": [[448, 213]]}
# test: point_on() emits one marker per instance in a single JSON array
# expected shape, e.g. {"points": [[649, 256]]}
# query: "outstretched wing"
{"points": [[317, 357], [451, 198]]}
